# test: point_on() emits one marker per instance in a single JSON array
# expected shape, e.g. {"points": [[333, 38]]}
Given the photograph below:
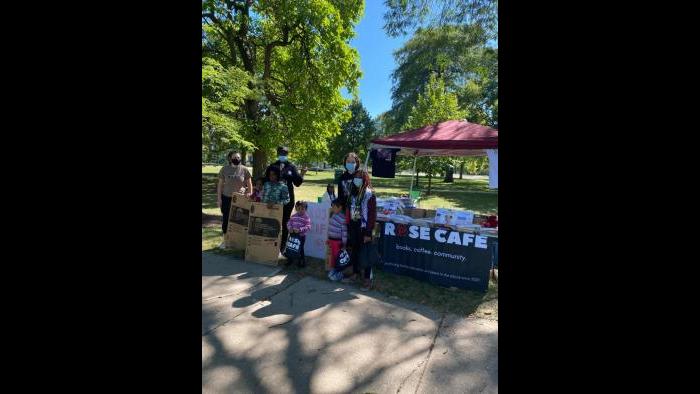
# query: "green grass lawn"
{"points": [[467, 194]]}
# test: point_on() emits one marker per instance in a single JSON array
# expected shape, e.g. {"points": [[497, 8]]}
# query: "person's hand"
{"points": [[218, 201], [367, 239]]}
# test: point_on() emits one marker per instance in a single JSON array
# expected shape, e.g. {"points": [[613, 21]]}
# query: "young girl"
{"points": [[274, 191], [256, 196], [329, 195], [299, 224], [337, 232], [361, 214]]}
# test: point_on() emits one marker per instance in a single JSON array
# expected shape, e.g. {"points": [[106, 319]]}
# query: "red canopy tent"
{"points": [[449, 138]]}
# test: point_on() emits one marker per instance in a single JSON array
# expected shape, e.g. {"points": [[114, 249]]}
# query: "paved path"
{"points": [[264, 330]]}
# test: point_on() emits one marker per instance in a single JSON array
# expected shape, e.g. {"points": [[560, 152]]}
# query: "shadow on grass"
{"points": [[458, 301], [209, 182], [461, 194]]}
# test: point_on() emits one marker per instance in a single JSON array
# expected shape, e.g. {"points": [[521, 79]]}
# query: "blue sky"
{"points": [[376, 58]]}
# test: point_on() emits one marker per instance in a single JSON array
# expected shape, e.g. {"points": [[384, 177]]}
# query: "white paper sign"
{"points": [[315, 245], [388, 207], [461, 218], [442, 216]]}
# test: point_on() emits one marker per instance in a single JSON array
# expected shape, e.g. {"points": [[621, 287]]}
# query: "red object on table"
{"points": [[491, 222]]}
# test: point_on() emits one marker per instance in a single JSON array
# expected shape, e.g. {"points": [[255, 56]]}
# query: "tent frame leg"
{"points": [[415, 157]]}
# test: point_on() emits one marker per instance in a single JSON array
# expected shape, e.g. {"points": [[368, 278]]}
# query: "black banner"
{"points": [[437, 255]]}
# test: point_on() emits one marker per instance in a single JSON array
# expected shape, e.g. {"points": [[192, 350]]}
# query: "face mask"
{"points": [[235, 162], [282, 158], [357, 182], [350, 167]]}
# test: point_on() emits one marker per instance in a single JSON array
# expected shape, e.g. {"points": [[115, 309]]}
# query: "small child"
{"points": [[256, 196], [329, 195], [337, 232], [274, 191], [299, 224]]}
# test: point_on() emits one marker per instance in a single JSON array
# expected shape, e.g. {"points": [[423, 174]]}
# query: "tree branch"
{"points": [[211, 17], [268, 52]]}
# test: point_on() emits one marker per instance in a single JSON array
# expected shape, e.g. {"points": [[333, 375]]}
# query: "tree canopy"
{"points": [[459, 56], [435, 104], [403, 16], [223, 93], [296, 57], [355, 135]]}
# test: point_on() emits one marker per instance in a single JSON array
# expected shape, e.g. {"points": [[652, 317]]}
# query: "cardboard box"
{"points": [[416, 213], [237, 232], [264, 234], [480, 219]]}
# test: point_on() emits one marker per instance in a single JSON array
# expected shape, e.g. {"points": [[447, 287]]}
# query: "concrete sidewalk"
{"points": [[265, 330]]}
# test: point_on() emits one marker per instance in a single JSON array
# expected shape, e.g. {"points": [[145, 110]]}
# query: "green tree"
{"points": [[382, 125], [405, 15], [223, 92], [434, 105], [479, 95], [355, 135], [459, 56], [297, 56]]}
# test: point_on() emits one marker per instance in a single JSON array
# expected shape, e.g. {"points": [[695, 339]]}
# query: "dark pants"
{"points": [[356, 242], [302, 238], [286, 213], [225, 210]]}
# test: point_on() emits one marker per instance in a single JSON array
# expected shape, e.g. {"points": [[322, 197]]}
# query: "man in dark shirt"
{"points": [[292, 177]]}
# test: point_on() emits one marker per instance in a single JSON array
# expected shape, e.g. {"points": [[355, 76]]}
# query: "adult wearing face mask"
{"points": [[351, 163], [361, 216], [292, 177], [233, 178]]}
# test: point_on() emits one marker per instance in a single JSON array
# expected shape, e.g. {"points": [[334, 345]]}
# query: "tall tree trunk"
{"points": [[461, 170], [430, 177], [244, 155], [212, 145], [259, 163], [259, 156]]}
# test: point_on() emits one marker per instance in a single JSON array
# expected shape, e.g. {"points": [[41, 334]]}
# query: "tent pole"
{"points": [[367, 159], [415, 157]]}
